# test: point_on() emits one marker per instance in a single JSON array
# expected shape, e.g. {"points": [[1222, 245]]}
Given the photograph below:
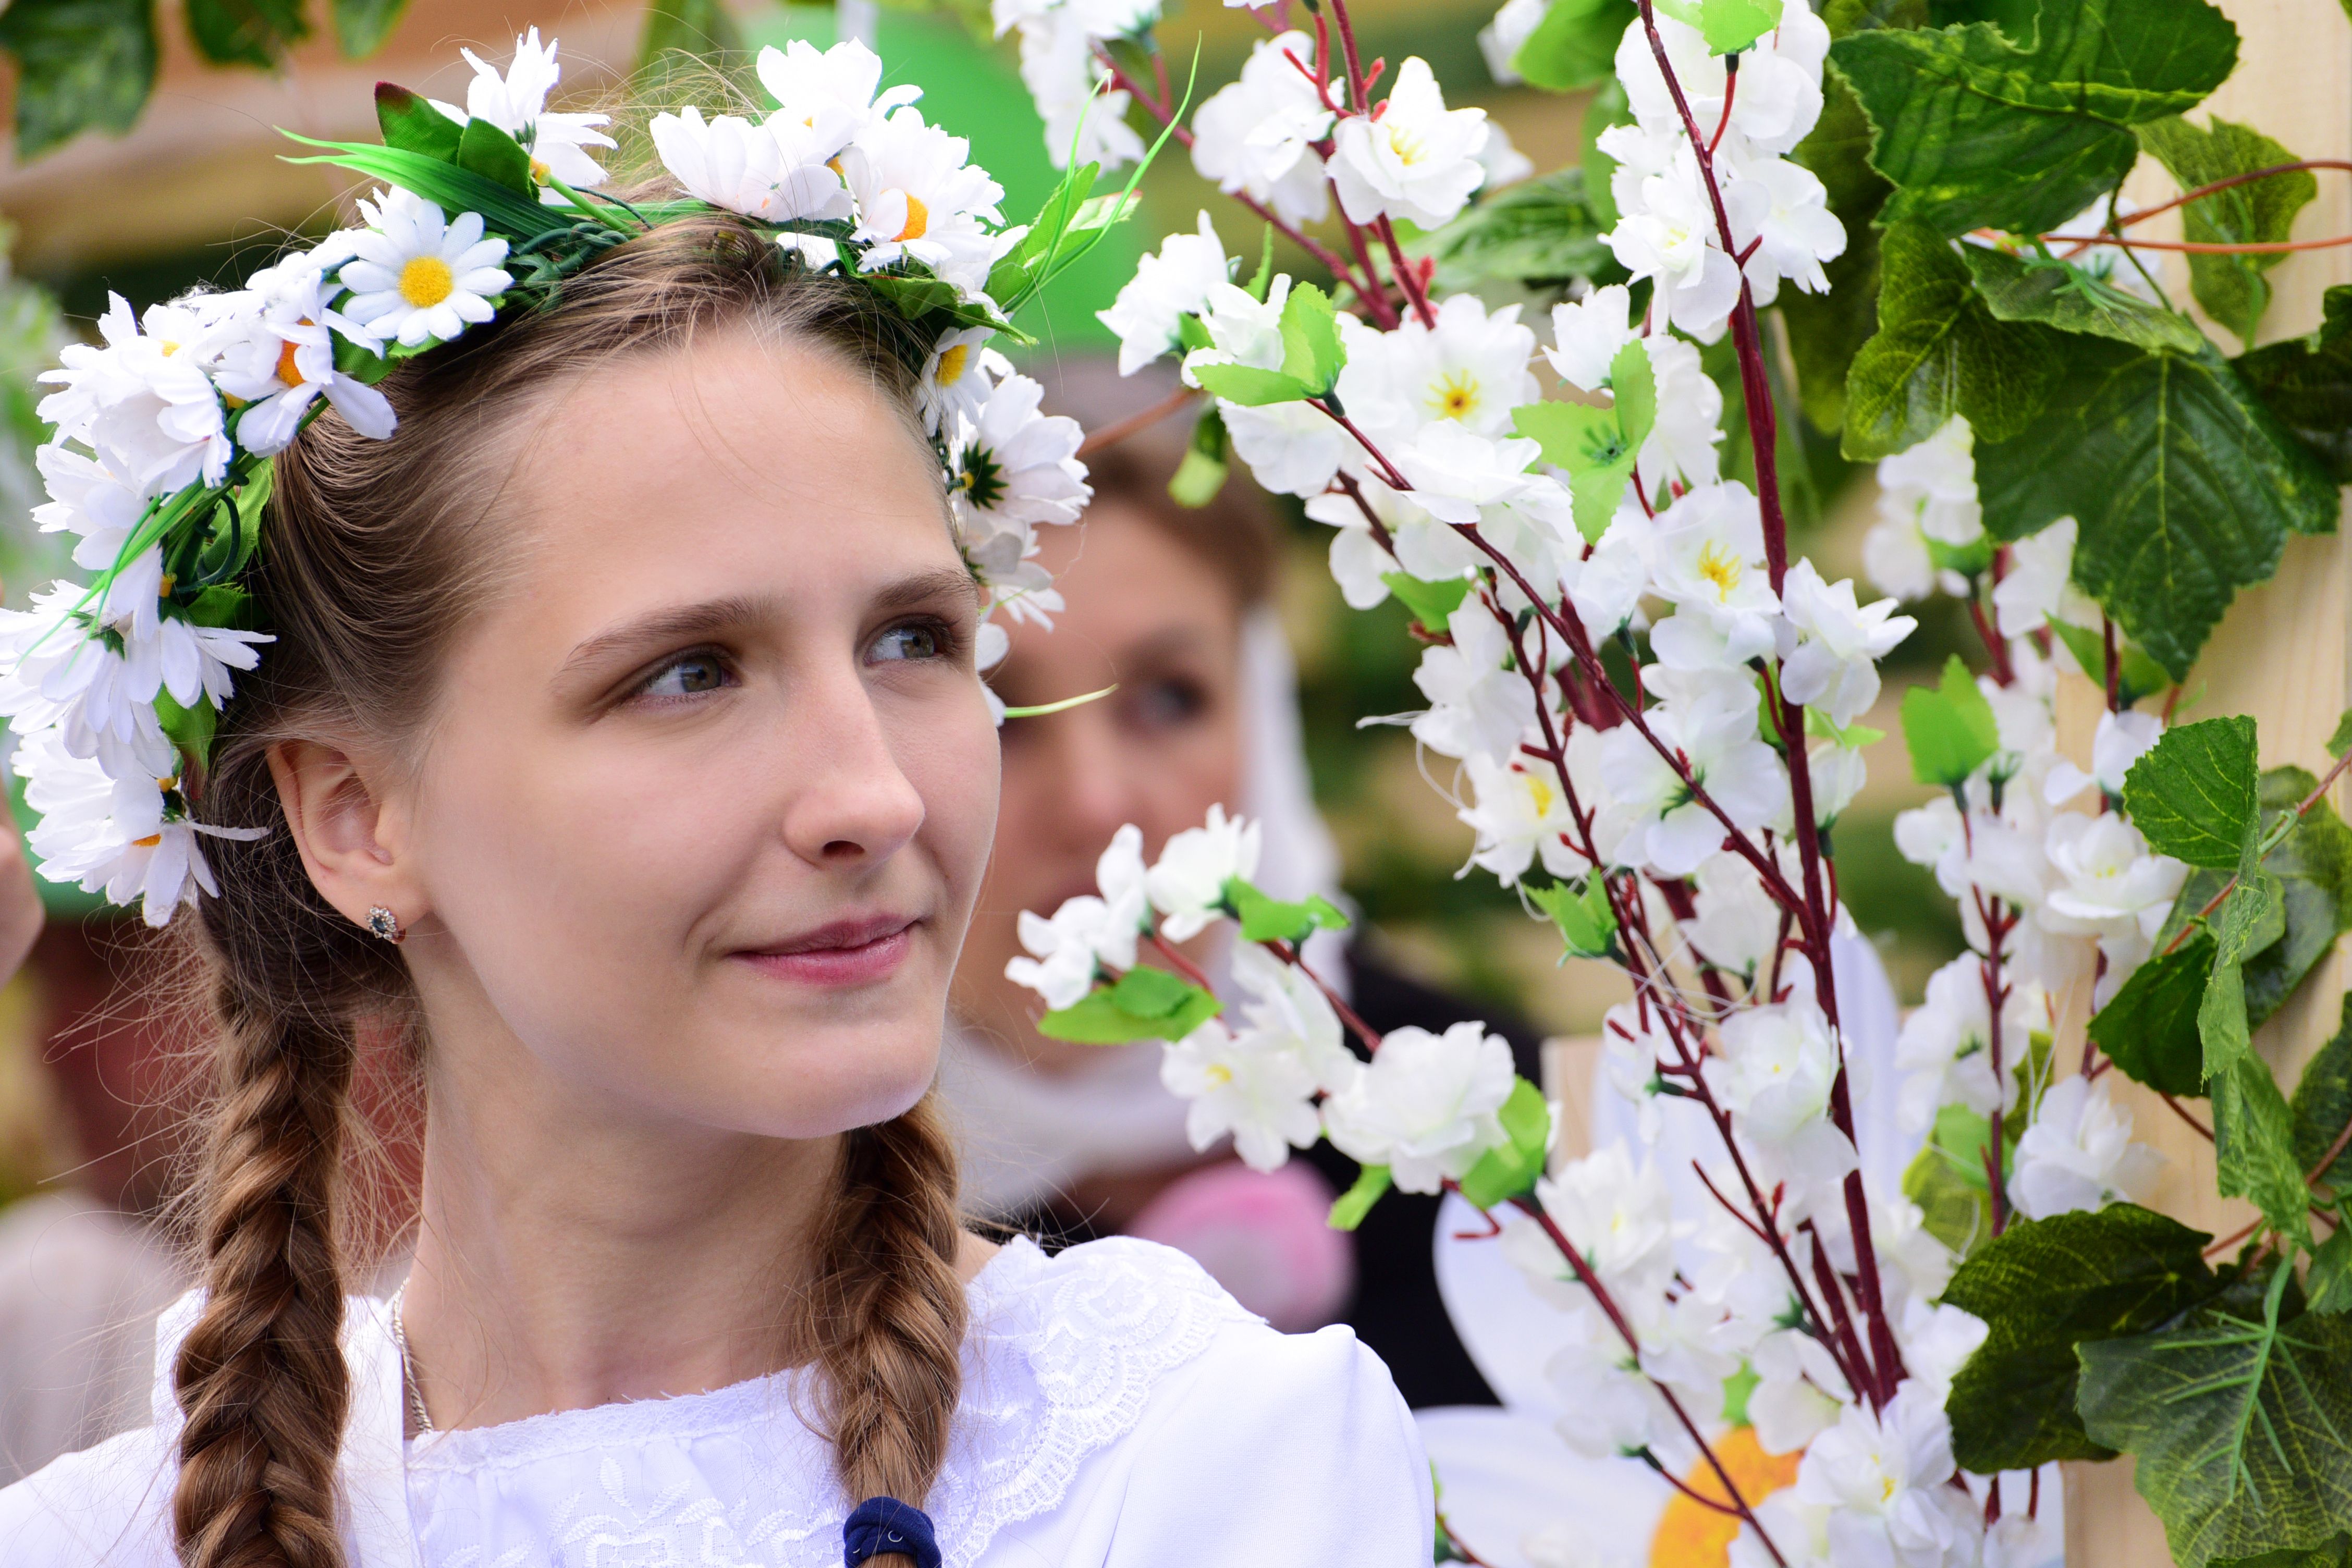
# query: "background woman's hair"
{"points": [[374, 553]]}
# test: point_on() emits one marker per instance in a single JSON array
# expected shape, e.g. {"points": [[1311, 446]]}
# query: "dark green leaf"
{"points": [[1207, 460], [495, 155], [2335, 1552], [2322, 1108], [2149, 1029], [1976, 130], [452, 189], [245, 32], [2192, 795], [1311, 353], [2238, 1421], [1539, 234], [1250, 386], [1575, 45], [2059, 294], [2313, 865], [1827, 329], [2044, 1288], [2306, 382], [1948, 727], [81, 65], [2184, 486], [2328, 1287], [2233, 289], [2250, 916], [1504, 1174], [411, 123], [1586, 919], [1431, 604], [2253, 1143], [1846, 16], [1348, 1209], [2140, 675], [1939, 352], [361, 26]]}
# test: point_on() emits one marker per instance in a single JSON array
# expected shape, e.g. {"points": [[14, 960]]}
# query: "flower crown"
{"points": [[161, 458]]}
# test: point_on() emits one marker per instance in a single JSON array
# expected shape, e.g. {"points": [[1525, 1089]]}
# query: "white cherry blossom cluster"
{"points": [[167, 424]]}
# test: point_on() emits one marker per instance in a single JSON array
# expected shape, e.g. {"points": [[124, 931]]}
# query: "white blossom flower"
{"points": [[1290, 447], [1472, 369], [1610, 1408], [1458, 474], [1945, 1046], [1775, 1070], [1936, 480], [1285, 1006], [2078, 1153], [1710, 723], [1166, 288], [1788, 222], [1358, 564], [1015, 467], [1937, 1340], [1426, 1108], [2120, 740], [1500, 162], [779, 171], [1883, 1475], [811, 85], [2039, 585], [1737, 923], [1682, 443], [920, 198], [1060, 68], [1587, 335], [2109, 885], [419, 277], [1799, 1393], [1778, 96], [1706, 554], [1412, 157], [1246, 1085], [516, 103], [1667, 232], [1187, 886], [1618, 1216], [1605, 587], [1500, 39], [1087, 931], [1834, 664], [1475, 704], [88, 498], [1518, 815], [1258, 136]]}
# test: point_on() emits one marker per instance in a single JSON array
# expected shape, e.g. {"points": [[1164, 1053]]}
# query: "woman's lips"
{"points": [[847, 953]]}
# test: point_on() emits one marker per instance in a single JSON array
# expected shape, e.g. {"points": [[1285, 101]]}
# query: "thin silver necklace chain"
{"points": [[409, 1384]]}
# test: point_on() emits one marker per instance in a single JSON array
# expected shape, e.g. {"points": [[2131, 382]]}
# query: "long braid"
{"points": [[261, 1375], [891, 1308]]}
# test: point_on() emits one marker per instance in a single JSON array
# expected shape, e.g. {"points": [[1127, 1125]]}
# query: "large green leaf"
{"points": [[1541, 233], [2307, 382], [2184, 486], [2323, 1107], [247, 32], [2253, 1143], [2149, 1029], [1977, 130], [1575, 45], [2313, 867], [2043, 1287], [2194, 794], [455, 190], [2261, 212], [2334, 1552], [2240, 1418], [81, 65], [1939, 352], [2059, 294], [361, 26]]}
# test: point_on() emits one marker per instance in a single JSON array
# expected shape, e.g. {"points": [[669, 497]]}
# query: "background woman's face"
{"points": [[1144, 612], [711, 791]]}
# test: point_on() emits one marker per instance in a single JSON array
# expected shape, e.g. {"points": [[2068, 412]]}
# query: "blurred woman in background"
{"points": [[1176, 606]]}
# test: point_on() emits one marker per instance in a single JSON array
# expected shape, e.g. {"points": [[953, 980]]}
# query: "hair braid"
{"points": [[890, 1307], [261, 1375]]}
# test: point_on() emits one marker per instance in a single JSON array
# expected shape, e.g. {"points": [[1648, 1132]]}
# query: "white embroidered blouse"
{"points": [[1120, 1411]]}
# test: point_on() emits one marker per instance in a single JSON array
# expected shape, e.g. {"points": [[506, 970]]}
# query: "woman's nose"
{"points": [[852, 800]]}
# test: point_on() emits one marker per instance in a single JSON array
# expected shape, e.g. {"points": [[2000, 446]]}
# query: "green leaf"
{"points": [[2340, 740], [1728, 26], [2328, 1287], [1207, 460], [1608, 107], [1635, 385], [2185, 488], [1311, 353], [361, 26], [1348, 1209], [495, 155], [1827, 329], [1431, 604], [1946, 1178], [245, 32], [1016, 270], [1586, 919], [2140, 675], [411, 123], [2306, 382], [1191, 333], [1503, 1174], [2238, 1421], [2335, 1552], [1590, 445], [81, 65], [2233, 289], [2253, 1143], [1575, 45], [1975, 131], [189, 728], [2192, 795], [1539, 234], [2249, 915], [2045, 1287], [2059, 294], [1938, 352], [452, 189], [2322, 1107], [1273, 920], [1250, 386], [2149, 1029], [1145, 1004], [2312, 866], [1948, 728]]}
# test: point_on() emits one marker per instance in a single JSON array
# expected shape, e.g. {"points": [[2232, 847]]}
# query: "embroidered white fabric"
{"points": [[1120, 1411]]}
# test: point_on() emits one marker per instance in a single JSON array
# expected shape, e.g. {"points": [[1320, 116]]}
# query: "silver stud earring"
{"points": [[383, 923]]}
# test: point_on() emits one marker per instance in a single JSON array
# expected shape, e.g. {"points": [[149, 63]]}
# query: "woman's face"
{"points": [[1149, 614], [698, 827]]}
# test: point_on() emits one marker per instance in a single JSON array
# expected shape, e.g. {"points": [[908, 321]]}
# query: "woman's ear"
{"points": [[350, 837]]}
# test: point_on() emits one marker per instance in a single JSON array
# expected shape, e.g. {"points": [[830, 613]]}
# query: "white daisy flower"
{"points": [[283, 360], [959, 376], [89, 498], [919, 199], [56, 673], [1015, 468], [806, 82], [778, 171], [516, 103], [420, 276], [142, 399], [130, 836]]}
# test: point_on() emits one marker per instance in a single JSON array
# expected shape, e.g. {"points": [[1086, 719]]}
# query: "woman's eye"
{"points": [[1168, 701], [687, 675], [909, 642]]}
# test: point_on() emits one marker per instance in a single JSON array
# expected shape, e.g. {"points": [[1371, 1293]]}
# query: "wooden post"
{"points": [[2282, 655]]}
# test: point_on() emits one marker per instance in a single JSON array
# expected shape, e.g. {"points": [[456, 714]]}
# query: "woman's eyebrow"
{"points": [[666, 625], [927, 587]]}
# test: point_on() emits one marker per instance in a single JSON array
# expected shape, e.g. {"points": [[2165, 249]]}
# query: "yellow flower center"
{"points": [[919, 218], [1219, 1075], [952, 363], [1457, 395], [1409, 148], [427, 280], [287, 371], [1541, 792], [149, 842], [164, 591], [1719, 566]]}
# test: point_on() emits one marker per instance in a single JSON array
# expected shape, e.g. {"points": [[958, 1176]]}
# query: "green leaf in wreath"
{"points": [[2328, 1287], [495, 155], [1503, 1174], [2149, 1029], [1938, 352], [1575, 45], [2306, 382], [2185, 488], [1016, 271], [410, 121], [2045, 1287], [2060, 294], [2322, 1107], [1978, 131], [247, 32], [2233, 289], [2240, 1417], [1248, 385], [1348, 1209], [1948, 728], [81, 65], [2193, 795]]}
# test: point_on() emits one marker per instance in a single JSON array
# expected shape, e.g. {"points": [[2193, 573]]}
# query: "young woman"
{"points": [[621, 736]]}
